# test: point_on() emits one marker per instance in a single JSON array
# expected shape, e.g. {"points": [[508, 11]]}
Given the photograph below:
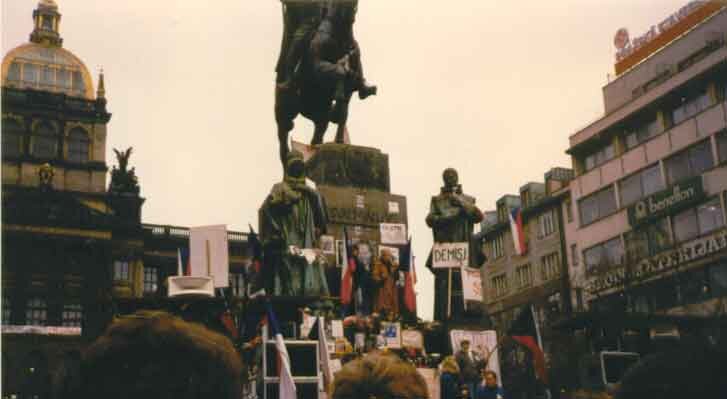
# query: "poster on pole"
{"points": [[450, 255], [393, 233], [208, 253], [483, 345], [472, 284], [394, 252]]}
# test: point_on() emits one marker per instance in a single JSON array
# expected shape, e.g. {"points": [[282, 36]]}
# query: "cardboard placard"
{"points": [[472, 284], [412, 339], [392, 334], [450, 254], [393, 233], [328, 245]]}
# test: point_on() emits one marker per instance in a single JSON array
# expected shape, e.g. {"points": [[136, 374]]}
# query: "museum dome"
{"points": [[43, 64]]}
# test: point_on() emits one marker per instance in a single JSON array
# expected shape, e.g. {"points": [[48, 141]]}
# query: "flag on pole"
{"points": [[407, 266], [348, 271], [287, 384], [318, 333], [183, 262], [516, 227], [525, 331]]}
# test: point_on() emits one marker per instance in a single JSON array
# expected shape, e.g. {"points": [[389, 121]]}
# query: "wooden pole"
{"points": [[207, 253], [449, 294]]}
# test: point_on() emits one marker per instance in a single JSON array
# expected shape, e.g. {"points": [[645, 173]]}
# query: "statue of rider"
{"points": [[300, 21]]}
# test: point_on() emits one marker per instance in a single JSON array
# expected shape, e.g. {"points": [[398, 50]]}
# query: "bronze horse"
{"points": [[324, 77]]}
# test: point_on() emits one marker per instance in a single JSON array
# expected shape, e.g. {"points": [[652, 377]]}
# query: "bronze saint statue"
{"points": [[292, 218], [319, 67], [385, 273], [451, 217]]}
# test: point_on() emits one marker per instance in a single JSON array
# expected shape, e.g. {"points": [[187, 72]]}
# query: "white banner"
{"points": [[209, 253], [483, 345], [472, 284], [450, 254], [393, 233]]}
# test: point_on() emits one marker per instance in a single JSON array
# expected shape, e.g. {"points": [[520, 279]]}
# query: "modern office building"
{"points": [[648, 232]]}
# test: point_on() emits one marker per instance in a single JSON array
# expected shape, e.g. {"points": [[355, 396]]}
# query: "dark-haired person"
{"points": [[155, 355], [488, 388], [379, 376]]}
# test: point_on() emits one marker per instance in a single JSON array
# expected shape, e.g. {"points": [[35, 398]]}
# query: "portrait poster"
{"points": [[393, 233], [392, 334], [328, 245], [483, 345], [472, 284]]}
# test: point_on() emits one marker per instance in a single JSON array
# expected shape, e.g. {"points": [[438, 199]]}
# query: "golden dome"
{"points": [[48, 68]]}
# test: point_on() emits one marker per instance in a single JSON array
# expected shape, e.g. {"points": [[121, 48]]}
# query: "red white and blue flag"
{"points": [[406, 265], [518, 235], [348, 270], [287, 384]]}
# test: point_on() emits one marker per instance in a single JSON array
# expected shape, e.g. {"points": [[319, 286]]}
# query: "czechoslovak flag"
{"points": [[287, 384], [516, 226]]}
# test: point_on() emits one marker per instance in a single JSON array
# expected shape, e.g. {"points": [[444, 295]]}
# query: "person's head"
{"points": [[449, 365], [450, 177], [465, 345], [381, 377], [294, 165], [490, 378], [157, 355]]}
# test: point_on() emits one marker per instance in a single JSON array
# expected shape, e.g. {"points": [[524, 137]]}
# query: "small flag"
{"points": [[525, 332], [287, 384], [348, 271], [406, 266], [318, 333], [518, 235]]}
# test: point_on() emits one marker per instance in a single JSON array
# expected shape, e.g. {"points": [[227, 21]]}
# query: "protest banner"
{"points": [[393, 233], [472, 284], [450, 255], [483, 345]]}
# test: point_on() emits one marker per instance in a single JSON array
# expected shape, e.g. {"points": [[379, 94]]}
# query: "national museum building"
{"points": [[649, 231], [74, 250]]}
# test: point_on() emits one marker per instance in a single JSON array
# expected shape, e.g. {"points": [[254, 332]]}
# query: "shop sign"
{"points": [[688, 252], [627, 47], [666, 201]]}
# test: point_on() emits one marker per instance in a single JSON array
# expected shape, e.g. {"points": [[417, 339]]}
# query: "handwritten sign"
{"points": [[483, 345], [450, 254], [412, 339], [393, 233]]}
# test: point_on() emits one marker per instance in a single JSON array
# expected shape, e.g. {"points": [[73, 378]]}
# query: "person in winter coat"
{"points": [[449, 379]]}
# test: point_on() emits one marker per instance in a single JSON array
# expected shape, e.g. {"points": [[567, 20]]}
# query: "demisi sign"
{"points": [[450, 254], [685, 253], [666, 202]]}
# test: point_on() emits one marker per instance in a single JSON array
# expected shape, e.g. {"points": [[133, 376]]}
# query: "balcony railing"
{"points": [[167, 231]]}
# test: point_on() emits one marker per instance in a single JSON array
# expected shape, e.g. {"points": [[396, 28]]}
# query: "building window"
{"points": [[14, 72], [524, 276], [690, 106], [498, 248], [7, 310], [721, 146], [36, 312], [569, 210], [693, 286], [597, 205], [12, 138], [30, 73], [502, 216], [718, 279], [574, 254], [546, 224], [151, 279], [688, 163], [641, 184], [599, 157], [604, 255], [698, 221], [72, 315], [121, 270], [237, 284], [549, 267], [499, 285], [643, 131], [44, 142], [78, 144], [648, 240]]}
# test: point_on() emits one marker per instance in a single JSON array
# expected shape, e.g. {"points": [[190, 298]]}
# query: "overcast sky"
{"points": [[491, 88]]}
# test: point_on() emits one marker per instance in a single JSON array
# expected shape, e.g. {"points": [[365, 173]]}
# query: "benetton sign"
{"points": [[667, 201], [685, 253]]}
